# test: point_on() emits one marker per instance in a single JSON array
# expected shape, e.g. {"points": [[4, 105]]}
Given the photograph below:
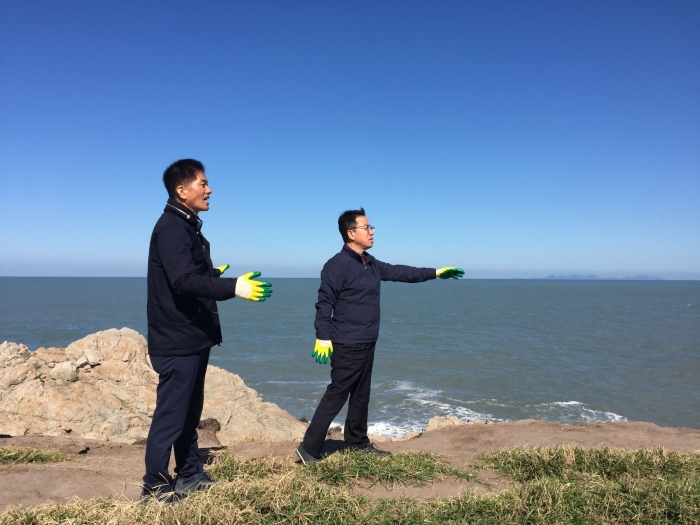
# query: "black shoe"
{"points": [[304, 456], [167, 497], [371, 449], [200, 481]]}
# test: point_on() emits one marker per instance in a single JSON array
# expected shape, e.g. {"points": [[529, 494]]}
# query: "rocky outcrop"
{"points": [[103, 387], [438, 422]]}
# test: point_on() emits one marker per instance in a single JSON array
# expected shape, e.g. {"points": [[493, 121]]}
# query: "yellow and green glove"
{"points": [[223, 268], [322, 351], [450, 272], [247, 288]]}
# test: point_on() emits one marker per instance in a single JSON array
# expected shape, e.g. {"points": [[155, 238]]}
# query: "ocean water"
{"points": [[568, 351]]}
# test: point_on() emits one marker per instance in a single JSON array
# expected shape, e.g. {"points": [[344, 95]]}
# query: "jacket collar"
{"points": [[352, 253], [183, 211]]}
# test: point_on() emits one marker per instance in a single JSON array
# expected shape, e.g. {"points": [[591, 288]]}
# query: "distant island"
{"points": [[597, 278]]}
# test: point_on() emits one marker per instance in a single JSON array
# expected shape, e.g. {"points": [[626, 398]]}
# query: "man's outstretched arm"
{"points": [[405, 274], [410, 274]]}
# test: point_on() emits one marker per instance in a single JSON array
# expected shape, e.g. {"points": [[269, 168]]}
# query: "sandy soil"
{"points": [[101, 468]]}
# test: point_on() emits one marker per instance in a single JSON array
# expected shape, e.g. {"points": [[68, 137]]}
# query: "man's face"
{"points": [[361, 236], [196, 195]]}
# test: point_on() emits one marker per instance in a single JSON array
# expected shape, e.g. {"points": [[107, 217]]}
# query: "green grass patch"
{"points": [[345, 468], [410, 468], [649, 490], [17, 455], [566, 462]]}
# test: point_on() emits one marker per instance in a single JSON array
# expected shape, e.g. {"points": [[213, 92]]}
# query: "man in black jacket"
{"points": [[347, 327], [183, 325]]}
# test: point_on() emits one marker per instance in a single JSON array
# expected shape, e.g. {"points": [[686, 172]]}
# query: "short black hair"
{"points": [[348, 220], [181, 173]]}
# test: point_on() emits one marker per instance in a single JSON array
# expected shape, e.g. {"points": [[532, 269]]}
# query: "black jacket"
{"points": [[183, 286], [350, 292]]}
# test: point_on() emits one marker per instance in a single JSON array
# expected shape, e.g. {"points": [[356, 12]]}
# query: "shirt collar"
{"points": [[356, 255], [183, 211]]}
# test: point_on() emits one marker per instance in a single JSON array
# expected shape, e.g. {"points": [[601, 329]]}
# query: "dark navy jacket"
{"points": [[183, 286], [347, 310]]}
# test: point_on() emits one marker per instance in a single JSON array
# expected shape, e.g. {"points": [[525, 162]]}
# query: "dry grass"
{"points": [[649, 489], [16, 455], [226, 466]]}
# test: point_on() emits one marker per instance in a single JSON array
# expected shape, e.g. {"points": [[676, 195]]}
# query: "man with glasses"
{"points": [[347, 327]]}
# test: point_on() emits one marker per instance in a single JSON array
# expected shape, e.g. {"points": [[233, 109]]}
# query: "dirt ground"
{"points": [[101, 468]]}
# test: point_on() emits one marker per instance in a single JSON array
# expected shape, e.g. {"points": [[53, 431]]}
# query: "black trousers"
{"points": [[351, 374], [179, 402]]}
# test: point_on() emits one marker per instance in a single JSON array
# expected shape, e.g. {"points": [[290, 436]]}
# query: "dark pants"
{"points": [[351, 374], [179, 402]]}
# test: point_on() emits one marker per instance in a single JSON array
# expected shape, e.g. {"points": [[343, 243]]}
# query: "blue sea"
{"points": [[567, 351]]}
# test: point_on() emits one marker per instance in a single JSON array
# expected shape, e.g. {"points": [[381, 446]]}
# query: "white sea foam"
{"points": [[573, 412], [389, 430], [405, 386], [409, 408], [386, 429], [433, 403], [597, 415], [413, 406]]}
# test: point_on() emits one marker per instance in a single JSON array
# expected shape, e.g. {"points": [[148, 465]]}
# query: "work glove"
{"points": [[450, 272], [223, 268], [322, 351], [247, 288]]}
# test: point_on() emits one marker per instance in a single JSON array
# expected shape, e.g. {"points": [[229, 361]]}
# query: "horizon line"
{"points": [[574, 277]]}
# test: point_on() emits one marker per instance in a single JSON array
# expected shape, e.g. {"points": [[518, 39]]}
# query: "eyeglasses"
{"points": [[367, 227]]}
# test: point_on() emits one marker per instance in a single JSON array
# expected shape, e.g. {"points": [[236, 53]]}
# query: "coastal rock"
{"points": [[206, 431], [12, 354], [452, 421], [442, 422], [65, 371], [103, 387], [242, 413]]}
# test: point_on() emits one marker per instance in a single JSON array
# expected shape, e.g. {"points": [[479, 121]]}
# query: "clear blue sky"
{"points": [[513, 139]]}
